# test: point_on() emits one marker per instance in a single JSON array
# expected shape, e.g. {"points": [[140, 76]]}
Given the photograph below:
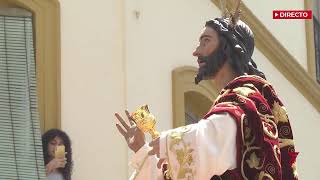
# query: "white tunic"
{"points": [[198, 151]]}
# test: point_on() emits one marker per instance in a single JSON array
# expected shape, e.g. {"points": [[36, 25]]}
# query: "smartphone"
{"points": [[60, 152]]}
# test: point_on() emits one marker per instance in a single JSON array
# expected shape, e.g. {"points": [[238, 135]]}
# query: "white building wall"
{"points": [[289, 32], [93, 86]]}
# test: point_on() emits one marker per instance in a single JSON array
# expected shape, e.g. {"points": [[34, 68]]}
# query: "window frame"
{"points": [[182, 82], [316, 31], [310, 40], [47, 57]]}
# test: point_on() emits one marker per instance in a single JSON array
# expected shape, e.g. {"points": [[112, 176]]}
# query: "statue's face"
{"points": [[208, 43], [210, 55]]}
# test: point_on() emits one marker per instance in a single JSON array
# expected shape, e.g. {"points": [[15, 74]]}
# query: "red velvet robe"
{"points": [[265, 148]]}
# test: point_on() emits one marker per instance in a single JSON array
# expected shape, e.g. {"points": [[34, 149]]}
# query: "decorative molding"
{"points": [[182, 82], [46, 20], [280, 57]]}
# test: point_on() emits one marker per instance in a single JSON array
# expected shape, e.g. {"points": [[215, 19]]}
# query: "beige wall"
{"points": [[303, 116], [93, 86], [162, 39], [290, 33]]}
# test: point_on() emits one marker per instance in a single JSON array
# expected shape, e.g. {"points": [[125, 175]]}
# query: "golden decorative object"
{"points": [[145, 121]]}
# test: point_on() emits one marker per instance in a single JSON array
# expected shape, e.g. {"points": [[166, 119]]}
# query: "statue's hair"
{"points": [[49, 136], [239, 45]]}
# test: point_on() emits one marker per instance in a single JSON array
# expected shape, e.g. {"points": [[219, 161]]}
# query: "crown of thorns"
{"points": [[233, 17]]}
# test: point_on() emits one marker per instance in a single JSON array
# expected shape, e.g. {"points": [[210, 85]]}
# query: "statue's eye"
{"points": [[142, 115]]}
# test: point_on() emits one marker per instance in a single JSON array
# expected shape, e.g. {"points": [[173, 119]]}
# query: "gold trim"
{"points": [[182, 82], [253, 161], [46, 15], [183, 151], [243, 91], [267, 132], [242, 129], [280, 113], [242, 161], [311, 55], [169, 166], [280, 57], [263, 174], [276, 151], [286, 142]]}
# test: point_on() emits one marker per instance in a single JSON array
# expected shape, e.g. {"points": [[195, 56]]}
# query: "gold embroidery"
{"points": [[266, 116], [183, 152], [268, 131], [263, 108], [244, 91], [247, 151], [286, 142], [268, 128], [254, 161], [270, 169], [279, 112], [221, 95], [169, 172], [253, 76], [243, 120], [249, 85], [277, 152], [295, 172], [246, 133], [263, 174]]}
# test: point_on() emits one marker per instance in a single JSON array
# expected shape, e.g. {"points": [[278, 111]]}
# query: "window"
{"points": [[196, 106], [21, 154], [189, 101], [46, 29], [316, 24]]}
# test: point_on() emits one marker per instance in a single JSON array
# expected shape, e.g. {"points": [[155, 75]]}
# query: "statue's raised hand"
{"points": [[133, 135]]}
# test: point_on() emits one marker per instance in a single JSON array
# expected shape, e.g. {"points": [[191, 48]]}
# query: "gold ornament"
{"points": [[145, 121], [279, 112], [254, 161]]}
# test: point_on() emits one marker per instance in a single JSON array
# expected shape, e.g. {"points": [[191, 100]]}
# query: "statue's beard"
{"points": [[211, 65]]}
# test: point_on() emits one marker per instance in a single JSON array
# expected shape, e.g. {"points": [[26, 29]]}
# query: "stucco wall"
{"points": [[93, 86], [289, 32]]}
